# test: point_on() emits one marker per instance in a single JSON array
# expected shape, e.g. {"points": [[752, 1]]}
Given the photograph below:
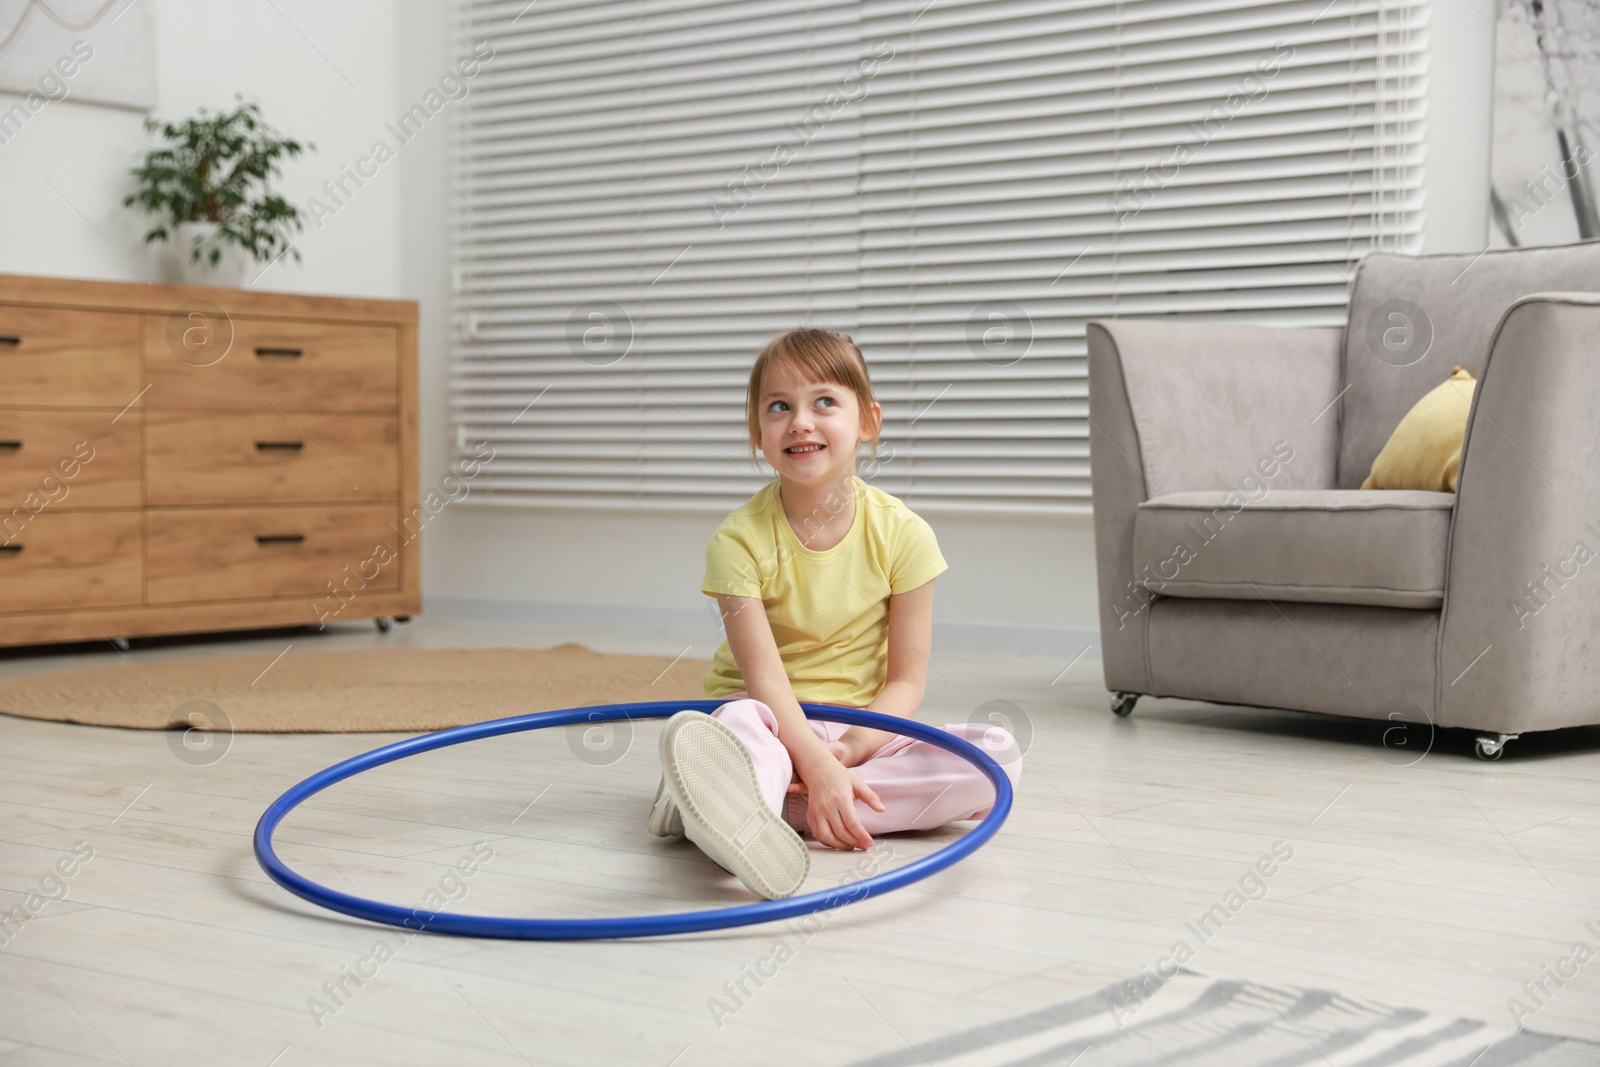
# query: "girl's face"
{"points": [[796, 414]]}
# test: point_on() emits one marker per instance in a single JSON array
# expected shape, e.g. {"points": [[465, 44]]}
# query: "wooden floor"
{"points": [[1442, 884]]}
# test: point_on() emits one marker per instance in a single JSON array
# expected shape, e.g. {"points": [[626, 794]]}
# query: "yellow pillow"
{"points": [[1424, 452]]}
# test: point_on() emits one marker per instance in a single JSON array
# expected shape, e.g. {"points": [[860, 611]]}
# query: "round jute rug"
{"points": [[403, 690]]}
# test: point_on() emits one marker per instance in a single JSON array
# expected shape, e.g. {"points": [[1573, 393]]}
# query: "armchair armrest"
{"points": [[1208, 399], [1177, 406], [1519, 644]]}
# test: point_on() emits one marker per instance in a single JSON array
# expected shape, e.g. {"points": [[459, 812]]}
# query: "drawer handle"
{"points": [[13, 549], [10, 340], [279, 539], [10, 446], [281, 446], [289, 353]]}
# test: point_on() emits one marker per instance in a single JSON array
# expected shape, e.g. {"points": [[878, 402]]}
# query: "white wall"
{"points": [[1460, 111], [324, 73], [335, 74]]}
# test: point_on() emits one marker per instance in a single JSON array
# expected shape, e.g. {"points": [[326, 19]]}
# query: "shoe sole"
{"points": [[712, 779]]}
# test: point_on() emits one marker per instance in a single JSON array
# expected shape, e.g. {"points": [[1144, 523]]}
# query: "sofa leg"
{"points": [[1122, 704], [1493, 746]]}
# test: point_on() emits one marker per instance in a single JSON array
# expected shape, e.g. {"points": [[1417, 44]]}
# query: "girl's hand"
{"points": [[832, 791]]}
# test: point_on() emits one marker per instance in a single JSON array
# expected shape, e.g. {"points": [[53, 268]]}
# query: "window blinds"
{"points": [[646, 192]]}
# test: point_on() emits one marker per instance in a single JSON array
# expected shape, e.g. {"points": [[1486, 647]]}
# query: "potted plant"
{"points": [[208, 191]]}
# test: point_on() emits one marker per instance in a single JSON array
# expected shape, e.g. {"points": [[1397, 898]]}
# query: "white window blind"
{"points": [[648, 191]]}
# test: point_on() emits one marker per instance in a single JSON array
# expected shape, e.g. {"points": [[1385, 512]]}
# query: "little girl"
{"points": [[825, 588]]}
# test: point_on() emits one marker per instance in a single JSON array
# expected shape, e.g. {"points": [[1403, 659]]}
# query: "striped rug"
{"points": [[1192, 1021]]}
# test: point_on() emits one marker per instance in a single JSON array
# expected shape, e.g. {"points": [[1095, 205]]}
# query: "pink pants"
{"points": [[921, 785]]}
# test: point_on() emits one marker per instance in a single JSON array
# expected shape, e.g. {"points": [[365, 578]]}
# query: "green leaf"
{"points": [[217, 167]]}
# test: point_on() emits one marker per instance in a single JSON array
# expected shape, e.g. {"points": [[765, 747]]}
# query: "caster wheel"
{"points": [[402, 618], [1122, 704], [121, 644], [384, 623], [1492, 746]]}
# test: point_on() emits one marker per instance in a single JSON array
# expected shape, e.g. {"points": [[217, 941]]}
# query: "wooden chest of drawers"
{"points": [[178, 459]]}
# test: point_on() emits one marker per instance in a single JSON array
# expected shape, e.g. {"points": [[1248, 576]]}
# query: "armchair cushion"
{"points": [[1424, 452], [1380, 548]]}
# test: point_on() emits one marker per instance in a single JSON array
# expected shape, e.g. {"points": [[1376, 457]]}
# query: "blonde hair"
{"points": [[816, 355]]}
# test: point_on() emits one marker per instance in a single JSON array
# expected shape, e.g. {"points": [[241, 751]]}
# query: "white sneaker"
{"points": [[664, 819], [709, 776]]}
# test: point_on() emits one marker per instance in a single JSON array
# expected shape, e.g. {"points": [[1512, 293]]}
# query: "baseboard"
{"points": [[1066, 643]]}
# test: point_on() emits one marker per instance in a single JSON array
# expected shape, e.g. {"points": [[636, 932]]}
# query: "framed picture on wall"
{"points": [[1546, 123], [88, 51]]}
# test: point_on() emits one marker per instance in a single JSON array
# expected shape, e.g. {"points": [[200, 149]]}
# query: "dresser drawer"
{"points": [[68, 459], [239, 553], [55, 358], [266, 364], [65, 560], [267, 457]]}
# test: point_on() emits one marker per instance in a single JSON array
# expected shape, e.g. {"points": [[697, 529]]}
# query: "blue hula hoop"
{"points": [[620, 926]]}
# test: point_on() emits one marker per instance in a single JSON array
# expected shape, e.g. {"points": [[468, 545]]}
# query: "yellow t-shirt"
{"points": [[829, 610]]}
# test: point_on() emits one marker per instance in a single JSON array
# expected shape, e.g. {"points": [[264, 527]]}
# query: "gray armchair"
{"points": [[1240, 563]]}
